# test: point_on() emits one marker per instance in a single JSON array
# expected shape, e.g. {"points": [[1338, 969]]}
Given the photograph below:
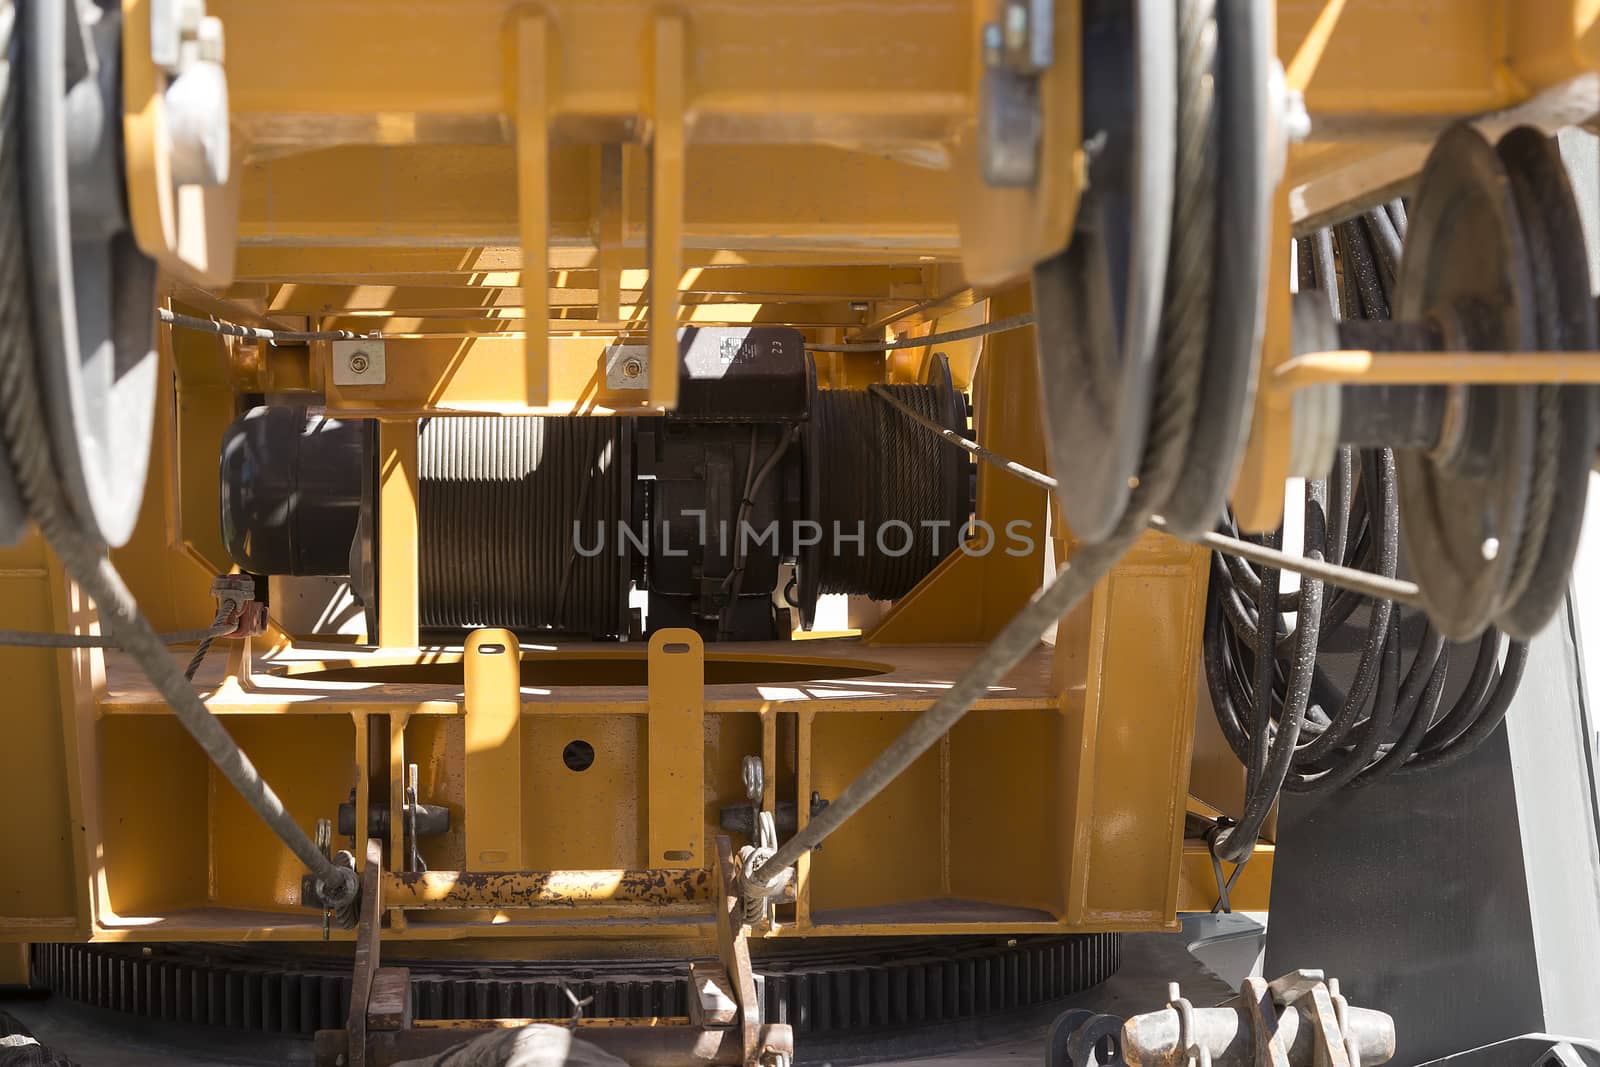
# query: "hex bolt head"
{"points": [[358, 362], [632, 368]]}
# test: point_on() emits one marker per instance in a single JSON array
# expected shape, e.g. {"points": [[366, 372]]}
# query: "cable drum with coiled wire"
{"points": [[1271, 657], [518, 523], [889, 499]]}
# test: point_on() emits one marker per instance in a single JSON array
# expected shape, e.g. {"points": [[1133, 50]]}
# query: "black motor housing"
{"points": [[291, 491]]}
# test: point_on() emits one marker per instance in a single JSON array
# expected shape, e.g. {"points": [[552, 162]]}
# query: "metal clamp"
{"points": [[1016, 50], [237, 603]]}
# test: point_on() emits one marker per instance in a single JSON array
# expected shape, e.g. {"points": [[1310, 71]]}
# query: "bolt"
{"points": [[993, 45], [1016, 28], [358, 362], [632, 367]]}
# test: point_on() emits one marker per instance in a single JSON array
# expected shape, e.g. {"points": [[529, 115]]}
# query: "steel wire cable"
{"points": [[38, 639], [1388, 719], [27, 440], [895, 496], [1174, 415]]}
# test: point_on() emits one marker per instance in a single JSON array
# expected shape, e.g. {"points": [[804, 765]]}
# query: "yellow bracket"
{"points": [[1004, 232], [398, 474], [530, 69], [493, 708], [666, 204], [190, 231], [676, 743]]}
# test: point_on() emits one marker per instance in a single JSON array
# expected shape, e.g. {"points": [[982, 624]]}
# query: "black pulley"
{"points": [[1098, 303], [1494, 260], [291, 490], [1568, 429], [92, 290], [15, 328]]}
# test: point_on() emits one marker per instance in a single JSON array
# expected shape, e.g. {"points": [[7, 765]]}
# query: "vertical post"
{"points": [[529, 75], [608, 241], [493, 707], [676, 743], [363, 754], [397, 533], [397, 789], [802, 866], [666, 205]]}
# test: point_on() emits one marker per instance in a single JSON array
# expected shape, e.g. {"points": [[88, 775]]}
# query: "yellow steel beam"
{"points": [[465, 374], [398, 473], [610, 213], [1131, 735], [493, 712], [635, 319], [496, 265], [797, 72], [667, 63], [676, 750], [527, 74], [496, 289], [437, 890], [759, 198]]}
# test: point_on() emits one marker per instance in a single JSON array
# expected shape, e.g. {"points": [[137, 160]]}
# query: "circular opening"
{"points": [[578, 755]]}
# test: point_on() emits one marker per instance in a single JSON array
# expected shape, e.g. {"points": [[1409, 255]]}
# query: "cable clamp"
{"points": [[757, 896], [239, 613]]}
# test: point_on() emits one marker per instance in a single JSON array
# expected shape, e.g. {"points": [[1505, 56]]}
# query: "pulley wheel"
{"points": [[1567, 433], [15, 328], [1098, 303], [1246, 165], [93, 291], [1466, 268]]}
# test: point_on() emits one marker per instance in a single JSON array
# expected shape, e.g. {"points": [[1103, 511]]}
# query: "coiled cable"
{"points": [[1293, 727]]}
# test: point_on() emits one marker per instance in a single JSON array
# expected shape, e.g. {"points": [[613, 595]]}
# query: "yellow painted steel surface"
{"points": [[505, 189]]}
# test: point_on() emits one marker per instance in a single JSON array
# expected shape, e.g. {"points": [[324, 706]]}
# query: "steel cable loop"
{"points": [[220, 625], [85, 560], [38, 639], [1389, 722]]}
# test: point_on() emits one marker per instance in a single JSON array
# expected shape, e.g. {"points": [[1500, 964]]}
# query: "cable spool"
{"points": [[502, 506], [871, 469], [1269, 678]]}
